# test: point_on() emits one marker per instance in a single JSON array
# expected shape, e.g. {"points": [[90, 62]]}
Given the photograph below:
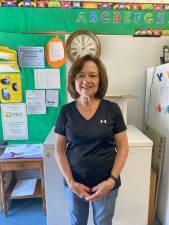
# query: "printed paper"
{"points": [[47, 78], [35, 101], [164, 92], [52, 98], [14, 121], [25, 150], [56, 51], [31, 56]]}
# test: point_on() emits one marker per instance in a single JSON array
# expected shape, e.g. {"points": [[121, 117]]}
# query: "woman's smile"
{"points": [[86, 86]]}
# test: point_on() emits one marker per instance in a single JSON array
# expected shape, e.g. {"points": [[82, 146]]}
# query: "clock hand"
{"points": [[83, 46], [88, 45]]}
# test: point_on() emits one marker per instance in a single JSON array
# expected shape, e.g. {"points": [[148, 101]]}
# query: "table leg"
{"points": [[43, 188], [3, 197]]}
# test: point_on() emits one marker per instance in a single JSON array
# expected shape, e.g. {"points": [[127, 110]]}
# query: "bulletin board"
{"points": [[39, 125]]}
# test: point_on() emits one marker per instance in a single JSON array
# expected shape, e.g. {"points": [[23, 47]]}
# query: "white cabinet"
{"points": [[133, 198], [54, 191]]}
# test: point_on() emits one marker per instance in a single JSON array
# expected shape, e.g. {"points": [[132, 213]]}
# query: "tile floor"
{"points": [[19, 213], [24, 212]]}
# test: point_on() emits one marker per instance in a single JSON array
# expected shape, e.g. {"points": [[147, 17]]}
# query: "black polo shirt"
{"points": [[90, 143]]}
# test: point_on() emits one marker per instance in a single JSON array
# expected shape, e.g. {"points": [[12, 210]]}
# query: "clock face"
{"points": [[82, 43]]}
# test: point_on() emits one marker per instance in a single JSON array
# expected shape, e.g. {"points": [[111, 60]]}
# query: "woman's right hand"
{"points": [[81, 190]]}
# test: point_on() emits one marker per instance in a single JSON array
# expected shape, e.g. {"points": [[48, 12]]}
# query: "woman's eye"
{"points": [[93, 75], [80, 75]]}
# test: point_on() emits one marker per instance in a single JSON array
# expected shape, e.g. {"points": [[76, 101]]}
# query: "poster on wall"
{"points": [[32, 57], [35, 101], [14, 121], [52, 98], [47, 78], [164, 93], [10, 88]]}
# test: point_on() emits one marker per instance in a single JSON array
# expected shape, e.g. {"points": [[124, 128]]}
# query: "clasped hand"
{"points": [[94, 193]]}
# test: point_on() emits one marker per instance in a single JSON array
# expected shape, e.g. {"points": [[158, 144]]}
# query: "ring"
{"points": [[80, 196]]}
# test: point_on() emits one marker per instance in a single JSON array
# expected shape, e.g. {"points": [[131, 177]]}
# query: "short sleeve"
{"points": [[60, 126], [119, 123]]}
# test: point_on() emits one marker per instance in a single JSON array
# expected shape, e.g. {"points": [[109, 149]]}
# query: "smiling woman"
{"points": [[91, 165]]}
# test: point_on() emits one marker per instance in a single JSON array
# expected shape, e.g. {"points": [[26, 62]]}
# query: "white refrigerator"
{"points": [[157, 117]]}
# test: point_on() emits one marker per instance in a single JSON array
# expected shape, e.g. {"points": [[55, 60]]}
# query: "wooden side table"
{"points": [[14, 165]]}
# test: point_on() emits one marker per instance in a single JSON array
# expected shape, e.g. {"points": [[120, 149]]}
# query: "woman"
{"points": [[91, 144]]}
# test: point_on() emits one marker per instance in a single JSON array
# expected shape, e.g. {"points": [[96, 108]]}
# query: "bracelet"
{"points": [[113, 177]]}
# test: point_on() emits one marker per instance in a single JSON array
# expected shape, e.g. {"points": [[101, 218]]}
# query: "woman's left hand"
{"points": [[101, 190]]}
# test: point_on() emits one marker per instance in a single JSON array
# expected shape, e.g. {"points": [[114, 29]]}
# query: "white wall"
{"points": [[126, 59]]}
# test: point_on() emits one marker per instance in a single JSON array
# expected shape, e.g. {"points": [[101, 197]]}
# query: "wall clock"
{"points": [[81, 43]]}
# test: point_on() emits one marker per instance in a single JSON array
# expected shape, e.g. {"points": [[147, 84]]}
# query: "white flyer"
{"points": [[56, 51], [14, 121], [52, 98], [164, 91], [35, 101], [47, 78], [31, 56]]}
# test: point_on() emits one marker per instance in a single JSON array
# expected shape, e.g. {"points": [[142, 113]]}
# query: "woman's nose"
{"points": [[86, 79]]}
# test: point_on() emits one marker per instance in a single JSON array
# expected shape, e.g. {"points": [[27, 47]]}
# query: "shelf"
{"points": [[37, 193]]}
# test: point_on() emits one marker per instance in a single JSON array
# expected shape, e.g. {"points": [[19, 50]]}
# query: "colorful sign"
{"points": [[10, 88], [121, 22]]}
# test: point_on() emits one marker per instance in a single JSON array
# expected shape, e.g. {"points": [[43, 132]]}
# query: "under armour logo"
{"points": [[103, 121]]}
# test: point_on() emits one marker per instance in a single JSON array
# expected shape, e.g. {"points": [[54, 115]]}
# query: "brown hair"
{"points": [[77, 67]]}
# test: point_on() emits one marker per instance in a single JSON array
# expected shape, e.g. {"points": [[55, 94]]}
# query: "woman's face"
{"points": [[87, 80]]}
